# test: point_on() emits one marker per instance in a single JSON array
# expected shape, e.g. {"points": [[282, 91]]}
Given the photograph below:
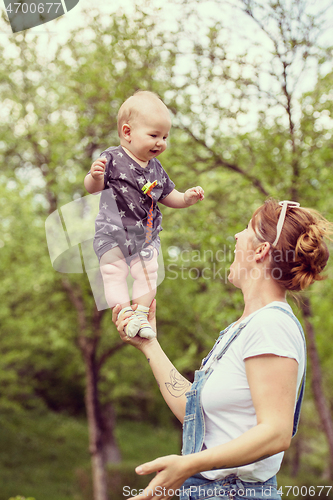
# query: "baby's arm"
{"points": [[94, 181], [182, 200]]}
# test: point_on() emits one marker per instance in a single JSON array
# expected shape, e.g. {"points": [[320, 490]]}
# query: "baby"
{"points": [[132, 180]]}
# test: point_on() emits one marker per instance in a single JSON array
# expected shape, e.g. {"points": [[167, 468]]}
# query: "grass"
{"points": [[141, 442], [39, 454], [45, 455]]}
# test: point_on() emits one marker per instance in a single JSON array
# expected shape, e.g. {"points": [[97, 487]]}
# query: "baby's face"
{"points": [[148, 134]]}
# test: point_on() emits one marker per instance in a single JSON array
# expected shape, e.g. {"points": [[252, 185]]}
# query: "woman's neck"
{"points": [[259, 295]]}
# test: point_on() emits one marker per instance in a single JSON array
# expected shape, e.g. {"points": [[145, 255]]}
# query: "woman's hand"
{"points": [[171, 472], [120, 323]]}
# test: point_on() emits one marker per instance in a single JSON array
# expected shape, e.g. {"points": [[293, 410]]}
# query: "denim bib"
{"points": [[194, 422]]}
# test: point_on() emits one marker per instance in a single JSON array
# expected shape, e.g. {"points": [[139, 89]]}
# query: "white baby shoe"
{"points": [[146, 330], [134, 324]]}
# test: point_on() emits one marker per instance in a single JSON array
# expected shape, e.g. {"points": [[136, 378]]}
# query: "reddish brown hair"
{"points": [[301, 253]]}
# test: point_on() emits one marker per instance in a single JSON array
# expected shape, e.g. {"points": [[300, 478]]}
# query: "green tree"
{"points": [[58, 108], [63, 112]]}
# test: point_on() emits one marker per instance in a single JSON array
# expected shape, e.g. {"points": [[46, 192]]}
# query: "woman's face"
{"points": [[242, 267]]}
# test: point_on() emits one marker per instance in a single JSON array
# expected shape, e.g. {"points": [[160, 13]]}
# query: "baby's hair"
{"points": [[301, 253], [129, 109]]}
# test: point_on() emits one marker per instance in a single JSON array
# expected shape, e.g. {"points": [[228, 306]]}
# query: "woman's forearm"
{"points": [[258, 443], [262, 441], [172, 384]]}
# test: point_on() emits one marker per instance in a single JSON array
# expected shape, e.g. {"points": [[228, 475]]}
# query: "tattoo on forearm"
{"points": [[178, 385]]}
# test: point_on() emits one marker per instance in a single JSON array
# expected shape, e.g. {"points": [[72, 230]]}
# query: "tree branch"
{"points": [[107, 354], [219, 162], [77, 301]]}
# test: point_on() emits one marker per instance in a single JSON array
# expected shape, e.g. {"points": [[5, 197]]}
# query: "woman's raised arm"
{"points": [[172, 384]]}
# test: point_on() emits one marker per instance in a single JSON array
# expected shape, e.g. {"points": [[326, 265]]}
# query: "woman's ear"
{"points": [[262, 251], [126, 131]]}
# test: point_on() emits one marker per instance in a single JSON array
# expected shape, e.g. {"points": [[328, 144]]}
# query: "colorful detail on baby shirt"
{"points": [[123, 204]]}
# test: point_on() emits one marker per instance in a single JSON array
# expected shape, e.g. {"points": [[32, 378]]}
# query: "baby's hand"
{"points": [[193, 195], [97, 168]]}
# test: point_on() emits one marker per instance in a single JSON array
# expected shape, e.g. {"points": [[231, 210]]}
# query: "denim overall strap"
{"points": [[194, 422], [223, 332]]}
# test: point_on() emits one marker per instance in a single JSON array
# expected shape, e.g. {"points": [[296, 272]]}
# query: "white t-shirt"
{"points": [[226, 397]]}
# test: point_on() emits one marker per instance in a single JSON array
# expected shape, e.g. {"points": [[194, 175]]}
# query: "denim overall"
{"points": [[198, 487]]}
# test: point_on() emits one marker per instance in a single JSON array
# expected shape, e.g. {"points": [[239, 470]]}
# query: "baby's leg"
{"points": [[114, 270], [144, 273]]}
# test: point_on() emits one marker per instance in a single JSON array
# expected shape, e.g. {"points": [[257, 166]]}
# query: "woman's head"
{"points": [[300, 253]]}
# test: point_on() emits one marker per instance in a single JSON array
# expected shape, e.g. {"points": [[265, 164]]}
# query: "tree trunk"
{"points": [[111, 451], [296, 457], [94, 422], [316, 381], [102, 444]]}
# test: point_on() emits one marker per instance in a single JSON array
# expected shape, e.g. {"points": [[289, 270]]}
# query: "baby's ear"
{"points": [[126, 132]]}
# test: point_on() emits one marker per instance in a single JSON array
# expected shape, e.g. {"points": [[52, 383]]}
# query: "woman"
{"points": [[240, 413]]}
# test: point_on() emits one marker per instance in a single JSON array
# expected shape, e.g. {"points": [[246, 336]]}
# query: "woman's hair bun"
{"points": [[311, 255]]}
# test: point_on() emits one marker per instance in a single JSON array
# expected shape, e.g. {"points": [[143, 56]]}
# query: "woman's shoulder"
{"points": [[276, 317], [274, 329], [279, 312]]}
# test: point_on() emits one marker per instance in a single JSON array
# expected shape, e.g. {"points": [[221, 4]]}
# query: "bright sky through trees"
{"points": [[242, 36]]}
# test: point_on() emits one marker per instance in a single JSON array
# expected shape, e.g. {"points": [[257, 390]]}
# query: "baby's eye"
{"points": [[152, 135]]}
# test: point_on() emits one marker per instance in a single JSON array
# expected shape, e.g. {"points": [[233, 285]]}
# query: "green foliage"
{"points": [[62, 112], [46, 455], [21, 498], [40, 452], [140, 442], [34, 334]]}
